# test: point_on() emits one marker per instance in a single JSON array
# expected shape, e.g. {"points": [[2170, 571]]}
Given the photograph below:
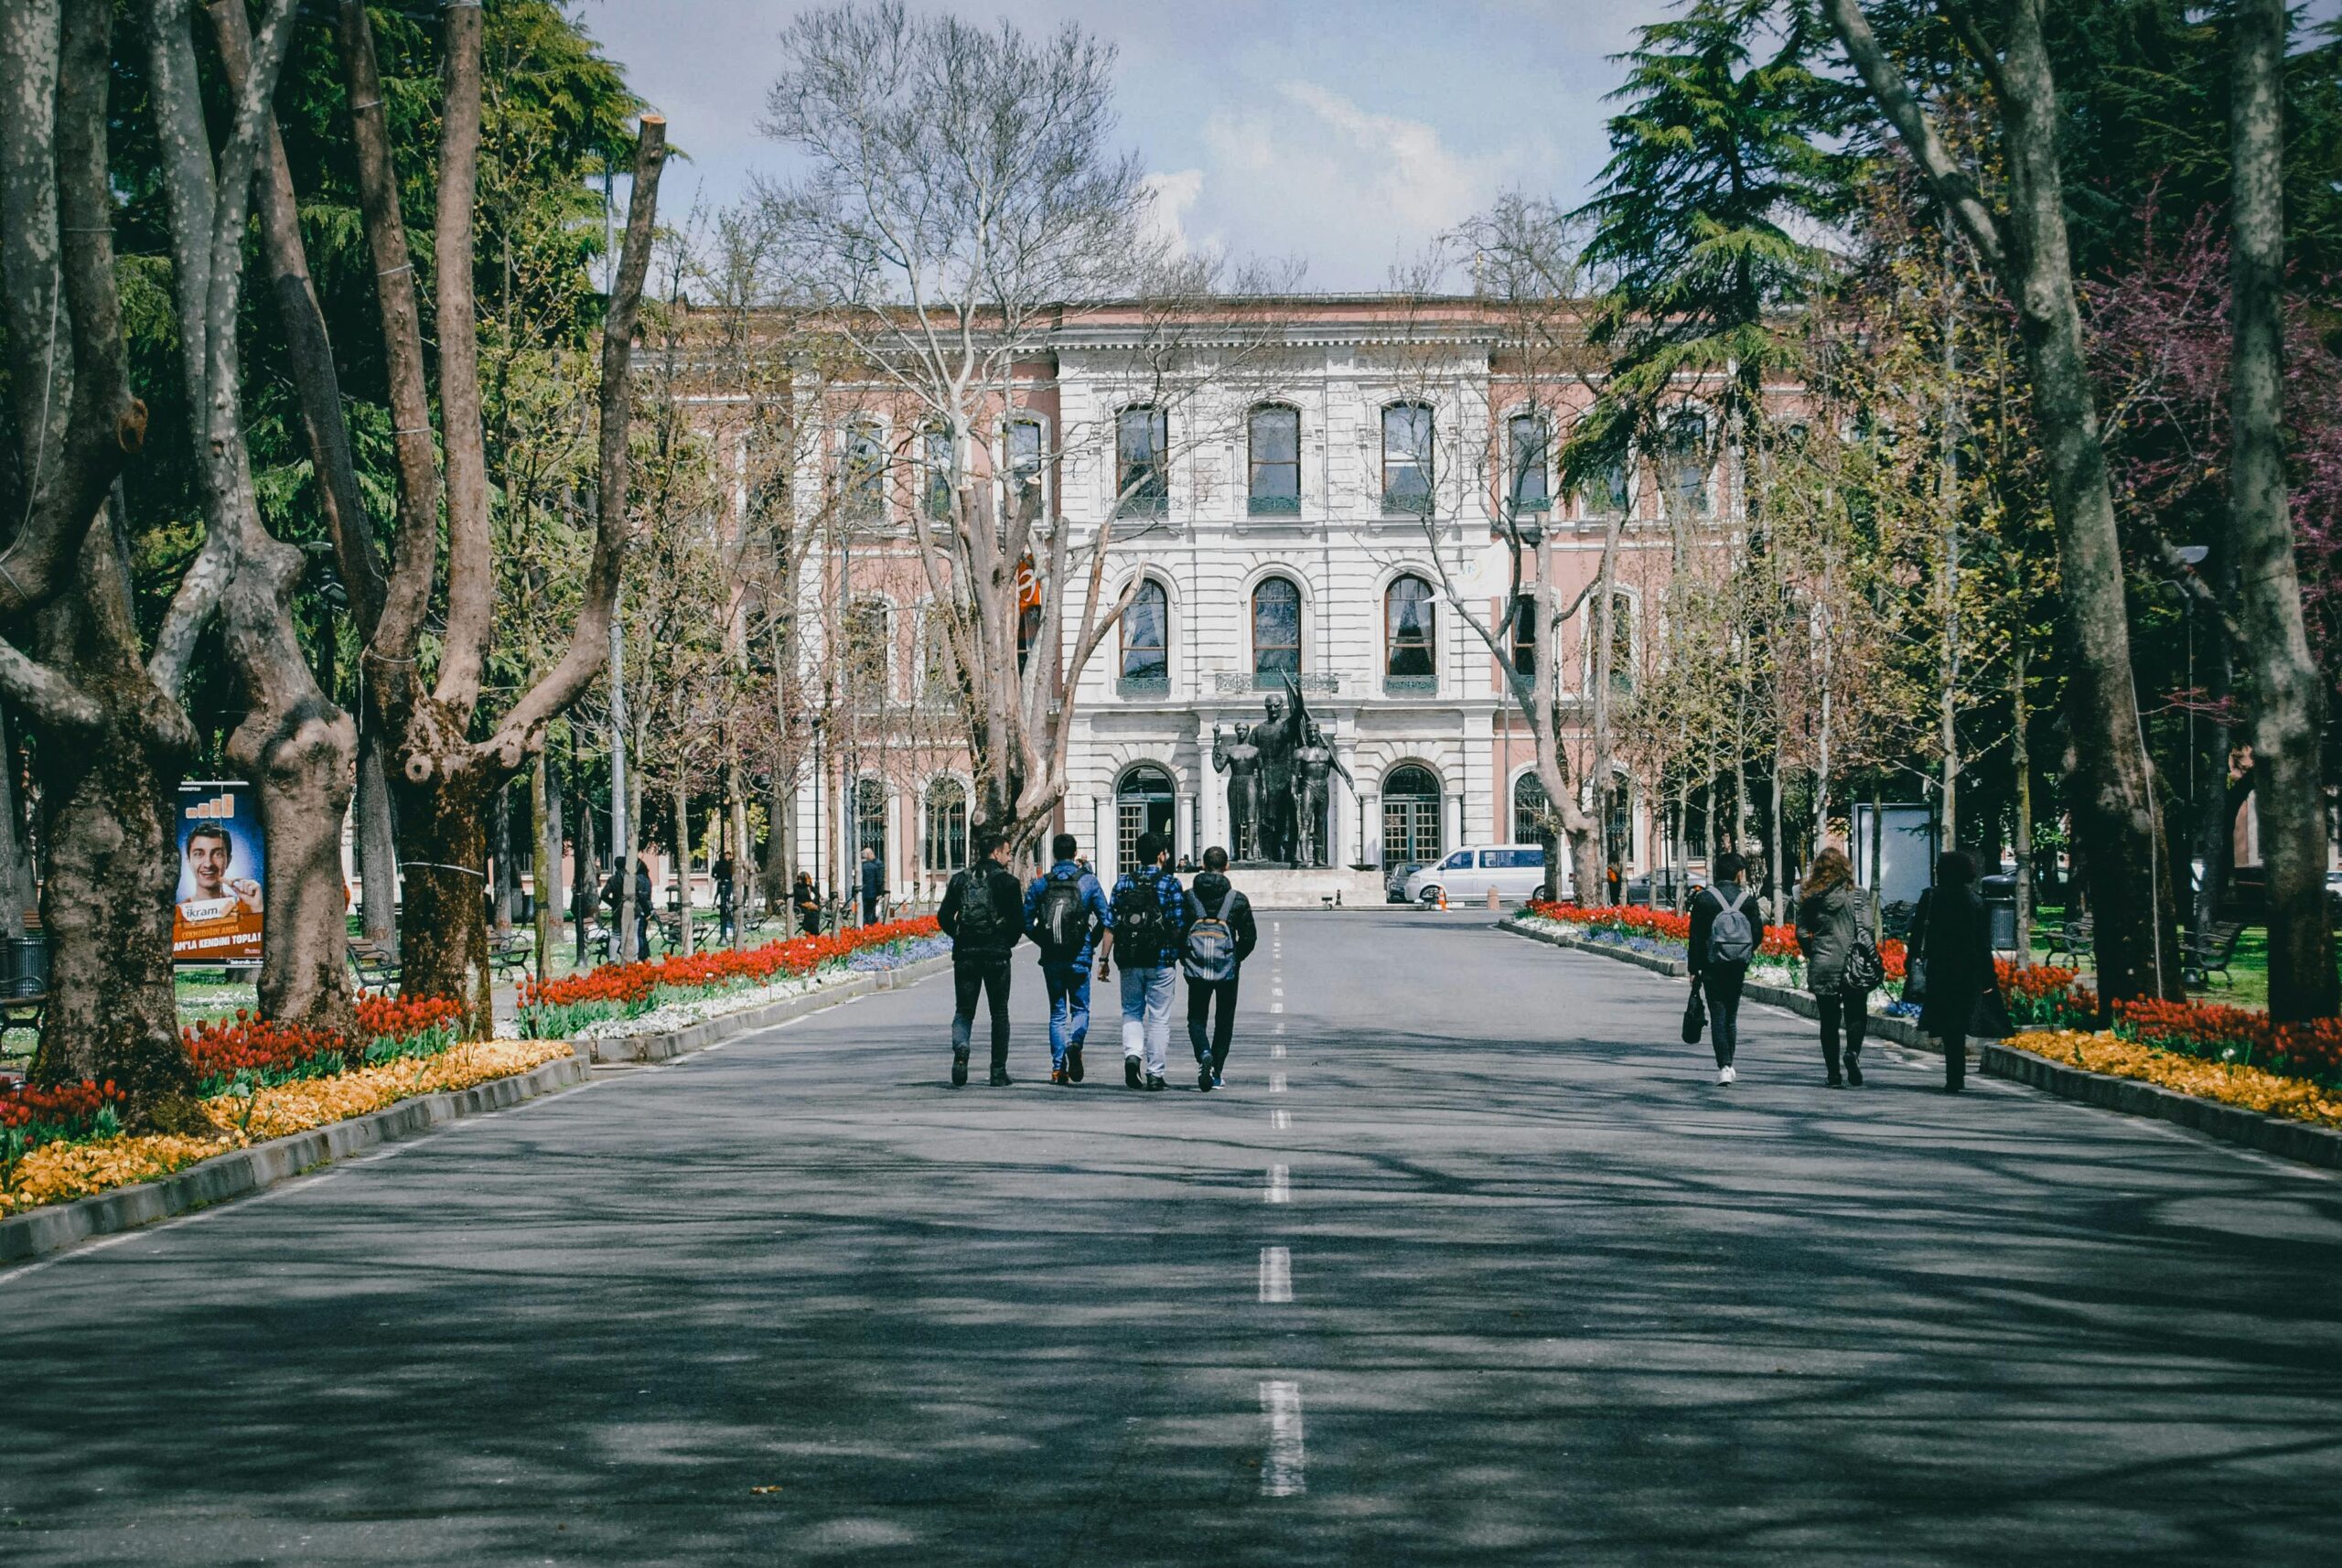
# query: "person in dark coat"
{"points": [[806, 899], [1719, 979], [1955, 935], [1830, 921], [874, 886], [983, 914], [1209, 1031]]}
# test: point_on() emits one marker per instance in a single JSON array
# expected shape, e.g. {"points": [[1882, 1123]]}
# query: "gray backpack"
{"points": [[1211, 942], [1732, 939]]}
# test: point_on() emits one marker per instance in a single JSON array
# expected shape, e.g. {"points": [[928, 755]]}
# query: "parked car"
{"points": [[1515, 870], [1394, 880]]}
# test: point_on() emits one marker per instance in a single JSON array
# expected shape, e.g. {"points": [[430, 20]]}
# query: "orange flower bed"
{"points": [[1662, 925], [552, 1008], [2231, 1083]]}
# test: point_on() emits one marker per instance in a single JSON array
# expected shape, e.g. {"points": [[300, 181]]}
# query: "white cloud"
{"points": [[1310, 172], [1171, 196]]}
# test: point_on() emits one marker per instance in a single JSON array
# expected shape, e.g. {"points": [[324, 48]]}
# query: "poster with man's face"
{"points": [[216, 913]]}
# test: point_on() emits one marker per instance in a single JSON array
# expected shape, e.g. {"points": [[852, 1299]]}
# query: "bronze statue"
{"points": [[1240, 760], [1311, 765]]}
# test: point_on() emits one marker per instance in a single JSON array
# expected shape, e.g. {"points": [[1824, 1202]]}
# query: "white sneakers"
{"points": [[1724, 1075]]}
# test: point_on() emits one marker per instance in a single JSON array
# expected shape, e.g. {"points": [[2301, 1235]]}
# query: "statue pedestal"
{"points": [[1282, 887]]}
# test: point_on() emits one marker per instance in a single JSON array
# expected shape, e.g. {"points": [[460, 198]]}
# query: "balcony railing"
{"points": [[1143, 686], [1273, 506], [1232, 682], [1411, 685]]}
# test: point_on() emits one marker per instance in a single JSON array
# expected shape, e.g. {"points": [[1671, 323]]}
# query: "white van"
{"points": [[1516, 870]]}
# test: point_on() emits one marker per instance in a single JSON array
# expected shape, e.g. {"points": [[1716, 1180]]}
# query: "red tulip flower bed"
{"points": [[30, 1117], [560, 1008], [1625, 922], [263, 1052]]}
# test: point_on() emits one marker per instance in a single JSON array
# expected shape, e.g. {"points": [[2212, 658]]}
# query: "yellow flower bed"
{"points": [[2227, 1082], [56, 1172]]}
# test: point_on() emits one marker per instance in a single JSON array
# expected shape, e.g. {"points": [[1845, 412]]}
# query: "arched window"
{"points": [[1410, 816], [870, 819], [947, 825], [1528, 463], [1684, 466], [1142, 462], [1530, 810], [936, 476], [1406, 457], [1144, 802], [1276, 632], [1275, 487], [1410, 620], [1146, 641], [863, 471]]}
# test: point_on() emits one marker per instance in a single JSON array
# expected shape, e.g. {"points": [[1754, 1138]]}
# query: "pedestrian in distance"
{"points": [[1724, 942], [874, 884], [1953, 931], [1148, 933], [806, 899], [1840, 957], [1221, 935], [723, 873], [1065, 914], [982, 913]]}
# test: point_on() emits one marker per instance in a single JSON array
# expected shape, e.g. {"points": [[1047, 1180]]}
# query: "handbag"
{"points": [[1988, 1018], [1915, 978], [1866, 972], [1696, 1014]]}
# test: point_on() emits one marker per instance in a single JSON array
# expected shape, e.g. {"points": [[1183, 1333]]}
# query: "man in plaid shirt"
{"points": [[1149, 932]]}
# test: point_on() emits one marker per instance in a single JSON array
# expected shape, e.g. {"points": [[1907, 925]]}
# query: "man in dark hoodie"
{"points": [[983, 914], [1220, 936]]}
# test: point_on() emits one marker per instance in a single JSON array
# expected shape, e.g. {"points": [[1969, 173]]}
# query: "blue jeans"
{"points": [[1068, 1008], [1147, 996]]}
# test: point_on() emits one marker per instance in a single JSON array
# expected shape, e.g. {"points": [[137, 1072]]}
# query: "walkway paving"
{"points": [[1470, 1263]]}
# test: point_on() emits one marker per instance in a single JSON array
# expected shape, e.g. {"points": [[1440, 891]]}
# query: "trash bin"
{"points": [[2000, 906], [27, 966]]}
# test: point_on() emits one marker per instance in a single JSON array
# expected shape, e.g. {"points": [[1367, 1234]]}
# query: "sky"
{"points": [[1343, 136]]}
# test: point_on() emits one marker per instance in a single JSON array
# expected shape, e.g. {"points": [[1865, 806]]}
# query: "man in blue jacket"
{"points": [[1065, 911], [1150, 928]]}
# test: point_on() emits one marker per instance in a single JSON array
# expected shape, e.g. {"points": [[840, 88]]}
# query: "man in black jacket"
{"points": [[983, 914], [1220, 936], [1720, 968]]}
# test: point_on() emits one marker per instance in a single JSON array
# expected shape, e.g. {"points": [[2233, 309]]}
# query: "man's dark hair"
{"points": [[1150, 849], [1729, 866], [986, 839], [1955, 868], [1065, 846], [210, 830], [1215, 859]]}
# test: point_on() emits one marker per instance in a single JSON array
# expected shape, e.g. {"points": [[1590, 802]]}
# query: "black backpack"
{"points": [[1140, 932], [1061, 918], [981, 925]]}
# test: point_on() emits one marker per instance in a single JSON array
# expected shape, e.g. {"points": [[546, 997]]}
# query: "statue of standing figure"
{"points": [[1313, 764], [1279, 737], [1240, 760]]}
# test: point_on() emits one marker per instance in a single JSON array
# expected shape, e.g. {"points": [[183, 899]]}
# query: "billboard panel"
{"points": [[216, 913]]}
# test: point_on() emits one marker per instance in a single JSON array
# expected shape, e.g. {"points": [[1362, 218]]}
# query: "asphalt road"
{"points": [[1482, 1268]]}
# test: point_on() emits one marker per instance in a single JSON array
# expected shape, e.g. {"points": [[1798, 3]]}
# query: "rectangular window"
{"points": [[1603, 493], [865, 653], [1142, 463], [1524, 634], [863, 480], [1512, 859], [1276, 463], [938, 474], [1531, 461], [1406, 458], [1686, 467], [1025, 469]]}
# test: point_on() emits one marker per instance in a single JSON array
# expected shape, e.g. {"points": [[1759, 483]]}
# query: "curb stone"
{"points": [[242, 1172], [1673, 968], [635, 1050], [2228, 1123]]}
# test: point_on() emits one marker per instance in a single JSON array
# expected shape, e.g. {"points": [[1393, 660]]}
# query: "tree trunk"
{"points": [[684, 861], [302, 765], [583, 881], [19, 887], [543, 805], [500, 850], [2021, 763], [377, 849], [443, 847], [2288, 704]]}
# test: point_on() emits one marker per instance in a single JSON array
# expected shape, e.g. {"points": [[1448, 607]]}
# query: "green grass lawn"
{"points": [[2246, 985]]}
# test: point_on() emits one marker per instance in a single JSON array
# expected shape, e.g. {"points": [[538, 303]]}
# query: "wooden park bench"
{"points": [[376, 965], [2071, 940], [512, 953], [2208, 952], [23, 1012]]}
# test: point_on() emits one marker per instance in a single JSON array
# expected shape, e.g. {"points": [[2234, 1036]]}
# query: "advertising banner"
{"points": [[216, 914]]}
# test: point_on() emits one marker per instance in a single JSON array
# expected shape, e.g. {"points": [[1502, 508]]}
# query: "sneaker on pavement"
{"points": [[1154, 1083], [958, 1069], [1000, 1078], [1056, 1075], [1130, 1073], [1073, 1064], [1854, 1072], [1724, 1075], [1204, 1078], [1215, 1078]]}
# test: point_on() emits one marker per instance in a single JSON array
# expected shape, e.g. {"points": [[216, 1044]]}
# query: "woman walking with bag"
{"points": [[1958, 947], [1842, 965]]}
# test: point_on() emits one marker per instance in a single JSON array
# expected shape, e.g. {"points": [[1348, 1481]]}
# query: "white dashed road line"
{"points": [[1281, 1469], [1281, 1120], [1276, 1049], [1279, 1184], [1276, 1274], [1276, 1083]]}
